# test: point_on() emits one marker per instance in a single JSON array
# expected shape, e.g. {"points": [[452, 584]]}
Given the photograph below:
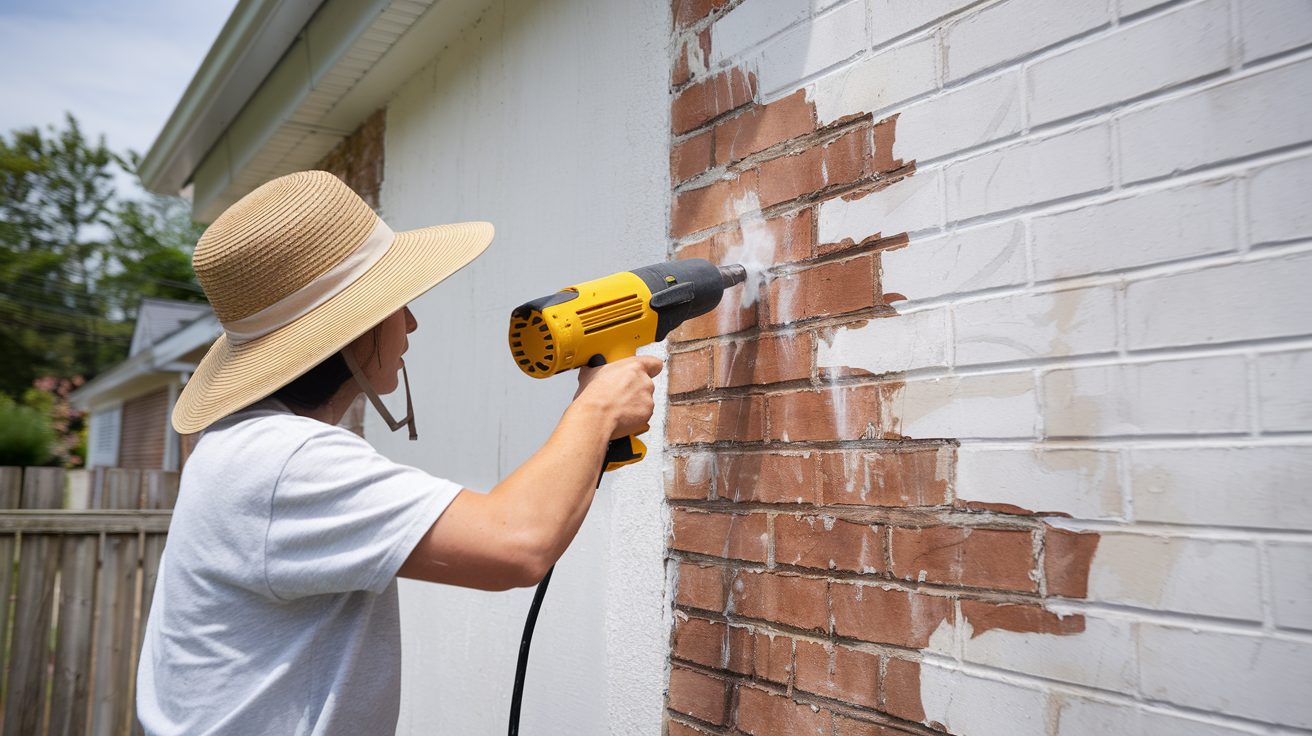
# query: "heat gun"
{"points": [[601, 321]]}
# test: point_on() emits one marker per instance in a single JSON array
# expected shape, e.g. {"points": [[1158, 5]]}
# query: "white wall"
{"points": [[549, 120]]}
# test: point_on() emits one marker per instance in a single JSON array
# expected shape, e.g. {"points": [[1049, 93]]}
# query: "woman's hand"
{"points": [[624, 391]]}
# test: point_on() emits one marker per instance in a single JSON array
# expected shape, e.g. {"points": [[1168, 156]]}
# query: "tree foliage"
{"points": [[77, 255]]}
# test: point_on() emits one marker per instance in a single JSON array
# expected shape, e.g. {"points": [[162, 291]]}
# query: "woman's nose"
{"points": [[411, 324]]}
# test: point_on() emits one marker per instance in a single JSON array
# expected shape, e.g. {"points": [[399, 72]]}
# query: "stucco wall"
{"points": [[549, 120]]}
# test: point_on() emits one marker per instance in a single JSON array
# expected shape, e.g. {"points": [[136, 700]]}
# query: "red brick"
{"points": [[838, 672], [762, 713], [698, 209], [701, 696], [902, 689], [1001, 559], [682, 729], [827, 543], [1019, 618], [688, 12], [767, 478], [841, 413], [742, 650], [763, 126], [698, 47], [700, 586], [691, 477], [689, 370], [703, 101], [829, 289], [791, 600], [850, 727], [691, 157], [727, 420], [843, 160], [725, 319], [890, 478], [883, 616], [732, 536], [1066, 560], [772, 657], [783, 239], [699, 640], [764, 360]]}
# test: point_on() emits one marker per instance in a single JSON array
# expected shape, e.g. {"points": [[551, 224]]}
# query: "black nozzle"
{"points": [[733, 274]]}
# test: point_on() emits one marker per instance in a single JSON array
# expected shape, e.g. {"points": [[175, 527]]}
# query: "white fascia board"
{"points": [[250, 44], [118, 382]]}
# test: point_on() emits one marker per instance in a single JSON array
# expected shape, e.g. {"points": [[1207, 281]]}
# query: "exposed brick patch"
{"points": [[763, 713], [701, 102], [691, 157], [763, 360], [843, 160], [700, 640], [738, 420], [358, 158], [846, 413], [701, 696], [901, 689], [827, 543], [984, 616], [688, 12], [822, 291], [1067, 557], [792, 600], [732, 536], [701, 586], [763, 126], [838, 672], [888, 616], [902, 478], [983, 558], [689, 370]]}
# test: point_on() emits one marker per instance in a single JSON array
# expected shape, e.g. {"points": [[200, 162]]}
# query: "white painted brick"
{"points": [[892, 18], [1083, 716], [961, 118], [1155, 227], [912, 205], [995, 405], [1238, 118], [751, 23], [1272, 26], [1165, 50], [1029, 326], [963, 261], [1014, 28], [1174, 723], [1242, 675], [1100, 656], [877, 82], [981, 706], [1174, 397], [1285, 391], [902, 343], [1079, 483], [1242, 486], [1130, 7], [1277, 201], [810, 48], [1291, 581], [1029, 173], [1177, 574], [1242, 301]]}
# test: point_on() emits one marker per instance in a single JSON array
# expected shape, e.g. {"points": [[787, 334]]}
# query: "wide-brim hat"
{"points": [[295, 271]]}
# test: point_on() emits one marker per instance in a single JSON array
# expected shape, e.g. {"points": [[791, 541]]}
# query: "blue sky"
{"points": [[119, 66]]}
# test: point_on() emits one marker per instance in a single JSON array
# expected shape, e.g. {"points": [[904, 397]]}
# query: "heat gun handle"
{"points": [[624, 451]]}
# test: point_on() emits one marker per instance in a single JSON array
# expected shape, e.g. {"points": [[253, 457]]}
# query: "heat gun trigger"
{"points": [[622, 450]]}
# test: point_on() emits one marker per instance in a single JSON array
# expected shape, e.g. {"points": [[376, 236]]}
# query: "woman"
{"points": [[275, 609]]}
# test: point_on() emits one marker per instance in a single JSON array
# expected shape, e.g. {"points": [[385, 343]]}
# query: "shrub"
{"points": [[25, 435]]}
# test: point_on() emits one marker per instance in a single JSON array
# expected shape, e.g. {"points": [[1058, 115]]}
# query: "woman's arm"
{"points": [[510, 537]]}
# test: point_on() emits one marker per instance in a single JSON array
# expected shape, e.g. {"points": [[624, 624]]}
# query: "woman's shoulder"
{"points": [[265, 430]]}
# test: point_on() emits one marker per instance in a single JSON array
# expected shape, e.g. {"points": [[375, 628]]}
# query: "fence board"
{"points": [[11, 493], [38, 561], [71, 688]]}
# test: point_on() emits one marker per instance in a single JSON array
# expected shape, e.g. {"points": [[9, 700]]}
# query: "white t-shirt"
{"points": [[275, 609]]}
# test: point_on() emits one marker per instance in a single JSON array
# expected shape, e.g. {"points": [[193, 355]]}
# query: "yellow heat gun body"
{"points": [[607, 319]]}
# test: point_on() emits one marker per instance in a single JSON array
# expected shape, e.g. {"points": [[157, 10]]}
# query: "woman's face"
{"points": [[381, 366]]}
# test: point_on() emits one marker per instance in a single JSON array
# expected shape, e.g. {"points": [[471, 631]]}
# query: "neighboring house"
{"points": [[996, 451], [130, 404]]}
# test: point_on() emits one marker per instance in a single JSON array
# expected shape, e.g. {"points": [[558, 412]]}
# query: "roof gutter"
{"points": [[247, 49]]}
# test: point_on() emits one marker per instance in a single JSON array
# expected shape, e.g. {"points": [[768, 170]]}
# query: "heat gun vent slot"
{"points": [[608, 314]]}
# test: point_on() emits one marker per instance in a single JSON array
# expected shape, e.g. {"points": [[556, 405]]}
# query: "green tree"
{"points": [[76, 256]]}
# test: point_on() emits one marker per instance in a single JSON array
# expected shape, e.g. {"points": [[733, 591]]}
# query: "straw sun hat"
{"points": [[295, 271]]}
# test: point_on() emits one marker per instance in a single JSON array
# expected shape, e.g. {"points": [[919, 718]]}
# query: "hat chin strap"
{"points": [[394, 424]]}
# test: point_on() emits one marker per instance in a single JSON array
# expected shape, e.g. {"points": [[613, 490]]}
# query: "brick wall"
{"points": [[1016, 438]]}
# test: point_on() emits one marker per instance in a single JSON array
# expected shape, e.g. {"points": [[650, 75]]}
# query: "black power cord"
{"points": [[619, 449]]}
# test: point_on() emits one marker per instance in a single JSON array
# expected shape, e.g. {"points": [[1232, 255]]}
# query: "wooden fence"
{"points": [[77, 588]]}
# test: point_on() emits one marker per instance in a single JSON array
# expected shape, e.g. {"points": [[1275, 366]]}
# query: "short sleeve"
{"points": [[342, 517]]}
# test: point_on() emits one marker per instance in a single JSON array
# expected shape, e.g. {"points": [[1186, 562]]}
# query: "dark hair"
{"points": [[313, 388]]}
